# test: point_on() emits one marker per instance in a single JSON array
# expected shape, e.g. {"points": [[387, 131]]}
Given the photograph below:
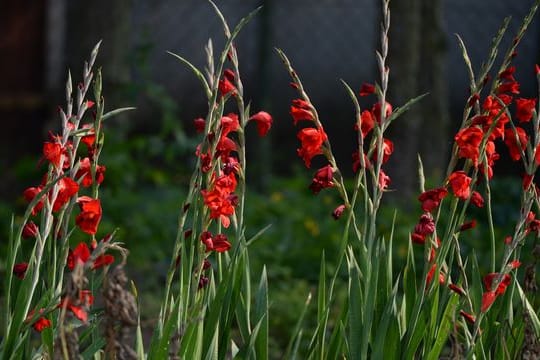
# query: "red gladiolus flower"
{"points": [[30, 230], [19, 270], [495, 110], [41, 323], [67, 188], [515, 147], [376, 110], [503, 284], [488, 298], [468, 225], [79, 255], [431, 199], [336, 214], [206, 239], [508, 87], [199, 125], [388, 149], [312, 140], [468, 317], [492, 156], [418, 238], [90, 216], [356, 161], [29, 195], [367, 123], [52, 152], [102, 260], [89, 139], [322, 179], [458, 290], [78, 307], [508, 73], [367, 89], [263, 121], [468, 141], [514, 264], [224, 148], [431, 273], [425, 225], [229, 123], [524, 109], [477, 199], [301, 110], [226, 84], [384, 180], [221, 244], [460, 184], [473, 99], [218, 243], [85, 171]]}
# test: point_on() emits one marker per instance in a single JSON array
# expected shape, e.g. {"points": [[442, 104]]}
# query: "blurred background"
{"points": [[149, 153]]}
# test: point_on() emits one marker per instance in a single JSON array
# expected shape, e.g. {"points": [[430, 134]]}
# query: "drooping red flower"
{"points": [[19, 270], [30, 230], [431, 199], [495, 112], [323, 179], [514, 264], [491, 156], [357, 164], [79, 255], [490, 278], [366, 121], [29, 195], [508, 87], [468, 317], [468, 141], [85, 171], [224, 148], [78, 307], [367, 89], [508, 73], [90, 138], [431, 273], [312, 140], [455, 288], [263, 121], [388, 149], [376, 110], [67, 188], [524, 109], [460, 184], [468, 225], [426, 225], [218, 243], [514, 147], [40, 323], [229, 123], [199, 125], [338, 211], [52, 152], [488, 298], [477, 199], [301, 110], [102, 260], [221, 243], [384, 180], [226, 84], [90, 215]]}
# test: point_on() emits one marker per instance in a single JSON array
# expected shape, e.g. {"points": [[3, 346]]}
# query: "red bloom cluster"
{"points": [[41, 323], [220, 197], [81, 254]]}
